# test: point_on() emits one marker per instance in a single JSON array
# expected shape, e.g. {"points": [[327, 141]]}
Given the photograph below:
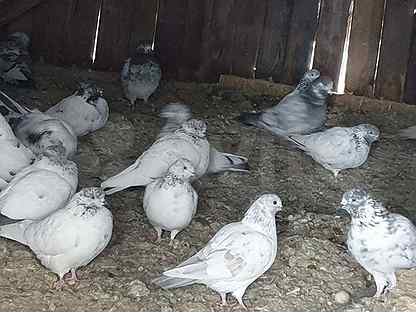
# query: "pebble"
{"points": [[342, 297]]}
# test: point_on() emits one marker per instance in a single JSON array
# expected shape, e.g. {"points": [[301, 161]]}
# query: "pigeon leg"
{"points": [[238, 294], [59, 284], [73, 278], [381, 283], [132, 105], [335, 172], [172, 236], [223, 299], [159, 234], [392, 282]]}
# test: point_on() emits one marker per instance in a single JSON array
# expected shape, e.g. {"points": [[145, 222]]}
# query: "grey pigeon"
{"points": [[408, 133], [235, 257], [38, 190], [140, 75], [338, 148], [15, 60], [69, 238], [14, 156], [302, 111], [170, 201], [37, 130], [85, 111], [173, 115], [382, 242], [187, 142]]}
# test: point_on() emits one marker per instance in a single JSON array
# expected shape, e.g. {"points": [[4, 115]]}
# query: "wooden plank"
{"points": [[273, 43], [395, 47], [12, 9], [80, 32], [230, 38], [303, 26], [331, 37], [23, 23], [410, 89], [170, 34], [363, 46]]}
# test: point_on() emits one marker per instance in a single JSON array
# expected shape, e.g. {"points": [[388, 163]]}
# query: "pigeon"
{"points": [[40, 189], [140, 75], [37, 130], [303, 111], [14, 155], [173, 115], [339, 148], [187, 142], [70, 237], [381, 242], [15, 60], [85, 111], [408, 133], [235, 257], [170, 201]]}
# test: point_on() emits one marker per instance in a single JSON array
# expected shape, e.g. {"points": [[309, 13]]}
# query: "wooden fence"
{"points": [[200, 39]]}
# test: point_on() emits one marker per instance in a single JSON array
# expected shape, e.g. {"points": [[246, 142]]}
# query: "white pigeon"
{"points": [[170, 201], [40, 189], [187, 142], [382, 242], [70, 237], [235, 257], [173, 115], [408, 133], [140, 75], [85, 111], [339, 148], [14, 156], [37, 130], [15, 60]]}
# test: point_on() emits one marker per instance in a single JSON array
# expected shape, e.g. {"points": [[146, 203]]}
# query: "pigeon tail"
{"points": [[125, 179], [408, 133], [220, 162], [13, 109], [5, 220], [296, 140], [250, 119], [15, 231], [167, 282]]}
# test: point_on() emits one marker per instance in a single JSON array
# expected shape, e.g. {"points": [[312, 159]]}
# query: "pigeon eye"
{"points": [[274, 202], [185, 168]]}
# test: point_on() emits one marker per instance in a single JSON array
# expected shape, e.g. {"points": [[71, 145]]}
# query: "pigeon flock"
{"points": [[41, 208]]}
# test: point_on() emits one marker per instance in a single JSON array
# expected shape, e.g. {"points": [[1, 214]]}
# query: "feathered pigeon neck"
{"points": [[260, 219], [370, 213]]}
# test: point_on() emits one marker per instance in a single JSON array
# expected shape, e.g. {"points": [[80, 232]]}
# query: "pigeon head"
{"points": [[182, 168], [195, 127], [369, 132], [359, 205], [262, 213], [92, 194], [144, 48], [320, 88], [89, 91], [21, 39], [88, 202], [311, 75], [178, 111], [55, 151]]}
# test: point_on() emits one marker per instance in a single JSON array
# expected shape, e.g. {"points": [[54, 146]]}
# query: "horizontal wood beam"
{"points": [[11, 9]]}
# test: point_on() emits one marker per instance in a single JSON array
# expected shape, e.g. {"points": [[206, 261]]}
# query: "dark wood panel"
{"points": [[395, 47], [410, 90], [363, 47], [331, 36], [23, 23], [80, 32], [124, 24], [273, 43], [303, 26], [11, 9]]}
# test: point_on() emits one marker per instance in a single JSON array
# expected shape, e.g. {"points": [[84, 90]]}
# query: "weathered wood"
{"points": [[331, 36], [303, 26], [410, 90], [395, 47], [363, 46], [22, 23], [344, 102], [230, 37], [273, 43], [11, 9], [80, 32]]}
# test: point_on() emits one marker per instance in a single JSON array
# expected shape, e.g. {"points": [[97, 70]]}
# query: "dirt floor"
{"points": [[312, 271]]}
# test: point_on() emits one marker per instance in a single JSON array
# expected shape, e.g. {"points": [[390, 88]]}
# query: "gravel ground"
{"points": [[312, 271]]}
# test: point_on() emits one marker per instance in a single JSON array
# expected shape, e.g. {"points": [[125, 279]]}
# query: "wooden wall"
{"points": [[199, 40]]}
